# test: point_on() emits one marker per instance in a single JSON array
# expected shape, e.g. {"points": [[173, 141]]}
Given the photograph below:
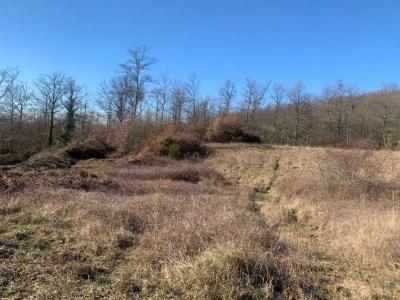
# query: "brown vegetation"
{"points": [[339, 207], [10, 159], [159, 228], [225, 130], [248, 222], [177, 147]]}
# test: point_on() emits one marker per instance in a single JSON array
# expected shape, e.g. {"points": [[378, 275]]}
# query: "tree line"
{"points": [[55, 109]]}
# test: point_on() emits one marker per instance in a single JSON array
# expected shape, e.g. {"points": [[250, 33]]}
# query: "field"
{"points": [[247, 222]]}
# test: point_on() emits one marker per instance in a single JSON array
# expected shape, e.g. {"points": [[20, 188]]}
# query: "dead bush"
{"points": [[131, 136], [198, 130], [350, 170], [49, 160], [10, 159], [92, 148], [226, 130], [178, 147]]}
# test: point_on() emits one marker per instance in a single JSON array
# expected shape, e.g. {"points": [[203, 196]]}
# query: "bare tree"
{"points": [[192, 88], [7, 100], [83, 117], [22, 101], [51, 90], [341, 106], [135, 72], [296, 97], [277, 95], [114, 100], [205, 110], [7, 78], [386, 100], [254, 98], [309, 112], [178, 102], [326, 99], [9, 111], [226, 95], [161, 94]]}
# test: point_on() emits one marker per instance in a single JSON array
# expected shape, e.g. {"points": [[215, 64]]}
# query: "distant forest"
{"points": [[134, 105]]}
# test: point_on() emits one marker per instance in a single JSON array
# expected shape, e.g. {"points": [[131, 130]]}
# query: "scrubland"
{"points": [[243, 222], [339, 208]]}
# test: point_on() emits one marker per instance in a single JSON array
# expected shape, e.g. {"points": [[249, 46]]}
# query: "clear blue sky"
{"points": [[317, 41]]}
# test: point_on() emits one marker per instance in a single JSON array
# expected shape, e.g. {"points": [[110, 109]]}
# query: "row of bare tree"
{"points": [[55, 107]]}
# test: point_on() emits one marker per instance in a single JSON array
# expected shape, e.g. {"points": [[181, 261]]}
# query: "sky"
{"points": [[316, 41]]}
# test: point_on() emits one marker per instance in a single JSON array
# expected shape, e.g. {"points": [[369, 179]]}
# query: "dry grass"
{"points": [[341, 207], [155, 227], [142, 227]]}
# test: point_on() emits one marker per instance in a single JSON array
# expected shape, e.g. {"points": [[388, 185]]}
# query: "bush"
{"points": [[177, 147], [49, 160], [88, 149], [247, 137], [132, 136], [198, 130], [229, 130], [10, 159], [350, 170], [174, 150]]}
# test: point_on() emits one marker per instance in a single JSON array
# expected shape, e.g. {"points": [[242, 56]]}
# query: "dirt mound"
{"points": [[229, 130], [66, 157], [88, 149], [49, 160], [10, 159]]}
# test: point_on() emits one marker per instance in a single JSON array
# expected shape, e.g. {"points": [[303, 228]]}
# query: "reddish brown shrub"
{"points": [[92, 148], [225, 130], [177, 147]]}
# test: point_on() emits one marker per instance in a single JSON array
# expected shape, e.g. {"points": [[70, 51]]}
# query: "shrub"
{"points": [[174, 150], [225, 130], [247, 137], [10, 159], [49, 160], [88, 149], [132, 136], [177, 147], [198, 130], [350, 170]]}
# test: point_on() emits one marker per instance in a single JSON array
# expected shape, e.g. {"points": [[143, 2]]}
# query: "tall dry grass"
{"points": [[341, 207], [143, 227]]}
